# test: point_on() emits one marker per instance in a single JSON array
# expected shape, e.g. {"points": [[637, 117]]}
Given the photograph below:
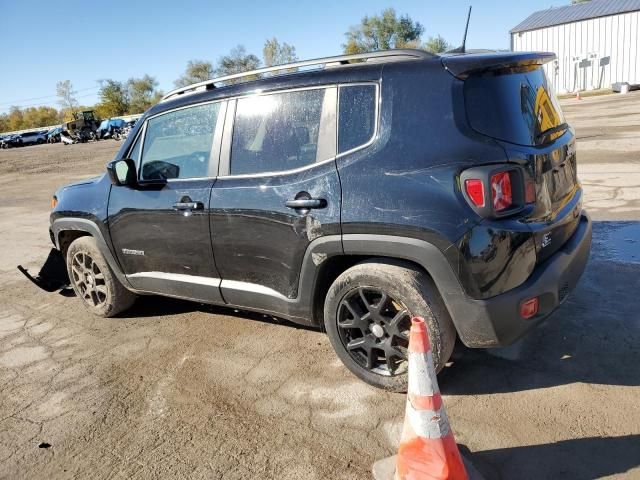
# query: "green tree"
{"points": [[436, 44], [574, 2], [237, 61], [16, 119], [382, 32], [4, 123], [34, 117], [196, 71], [142, 93], [114, 98], [275, 53], [67, 95]]}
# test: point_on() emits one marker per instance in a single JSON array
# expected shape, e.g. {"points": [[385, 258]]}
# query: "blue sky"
{"points": [[42, 44]]}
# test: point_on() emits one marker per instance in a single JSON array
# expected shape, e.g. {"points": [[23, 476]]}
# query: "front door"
{"points": [[160, 229], [278, 190]]}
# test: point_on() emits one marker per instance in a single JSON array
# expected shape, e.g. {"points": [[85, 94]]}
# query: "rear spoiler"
{"points": [[461, 66]]}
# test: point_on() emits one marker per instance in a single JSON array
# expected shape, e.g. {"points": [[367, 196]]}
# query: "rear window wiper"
{"points": [[551, 131]]}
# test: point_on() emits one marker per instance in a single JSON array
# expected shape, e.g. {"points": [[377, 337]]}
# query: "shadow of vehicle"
{"points": [[153, 306], [593, 338], [583, 458]]}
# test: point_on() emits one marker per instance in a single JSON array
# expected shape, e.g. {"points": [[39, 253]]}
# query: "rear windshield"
{"points": [[514, 107]]}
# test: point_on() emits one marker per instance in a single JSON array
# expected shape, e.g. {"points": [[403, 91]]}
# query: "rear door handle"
{"points": [[306, 203], [188, 206]]}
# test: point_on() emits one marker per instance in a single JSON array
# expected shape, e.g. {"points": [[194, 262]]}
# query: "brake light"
{"points": [[501, 191], [529, 308], [475, 191]]}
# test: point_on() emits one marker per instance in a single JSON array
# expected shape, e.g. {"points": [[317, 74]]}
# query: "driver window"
{"points": [[178, 144]]}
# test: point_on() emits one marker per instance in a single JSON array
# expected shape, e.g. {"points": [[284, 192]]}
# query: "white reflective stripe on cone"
{"points": [[422, 375], [428, 423]]}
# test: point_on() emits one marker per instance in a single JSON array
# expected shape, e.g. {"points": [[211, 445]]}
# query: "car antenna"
{"points": [[463, 48]]}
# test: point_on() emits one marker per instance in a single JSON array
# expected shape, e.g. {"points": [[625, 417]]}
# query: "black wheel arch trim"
{"points": [[434, 261], [60, 225]]}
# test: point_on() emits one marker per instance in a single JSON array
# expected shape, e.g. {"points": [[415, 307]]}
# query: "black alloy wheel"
{"points": [[374, 329]]}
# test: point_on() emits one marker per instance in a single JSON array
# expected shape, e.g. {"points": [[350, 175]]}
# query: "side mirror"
{"points": [[122, 172]]}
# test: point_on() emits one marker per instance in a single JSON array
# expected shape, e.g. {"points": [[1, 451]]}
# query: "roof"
{"points": [[575, 13]]}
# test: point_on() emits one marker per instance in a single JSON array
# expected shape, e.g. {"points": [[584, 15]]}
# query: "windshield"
{"points": [[516, 107]]}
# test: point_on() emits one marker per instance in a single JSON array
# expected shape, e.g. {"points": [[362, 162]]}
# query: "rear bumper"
{"points": [[496, 321]]}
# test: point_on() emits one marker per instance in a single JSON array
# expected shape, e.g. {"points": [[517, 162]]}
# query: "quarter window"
{"points": [[178, 144], [134, 153], [283, 131], [357, 116]]}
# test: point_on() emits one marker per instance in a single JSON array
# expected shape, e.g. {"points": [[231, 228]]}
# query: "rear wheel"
{"points": [[93, 281], [367, 317]]}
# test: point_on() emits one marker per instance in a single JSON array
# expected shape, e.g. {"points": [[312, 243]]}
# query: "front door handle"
{"points": [[188, 206], [306, 203]]}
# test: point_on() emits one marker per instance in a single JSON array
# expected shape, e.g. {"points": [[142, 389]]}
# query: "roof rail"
{"points": [[386, 55]]}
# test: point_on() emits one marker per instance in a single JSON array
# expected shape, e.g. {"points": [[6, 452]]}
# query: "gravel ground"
{"points": [[189, 391]]}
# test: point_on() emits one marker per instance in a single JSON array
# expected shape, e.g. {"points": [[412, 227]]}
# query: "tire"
{"points": [[348, 321], [94, 282]]}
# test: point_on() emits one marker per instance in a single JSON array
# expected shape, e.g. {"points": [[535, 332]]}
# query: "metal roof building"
{"points": [[597, 43]]}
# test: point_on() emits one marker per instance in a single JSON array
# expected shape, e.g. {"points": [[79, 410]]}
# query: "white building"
{"points": [[597, 43]]}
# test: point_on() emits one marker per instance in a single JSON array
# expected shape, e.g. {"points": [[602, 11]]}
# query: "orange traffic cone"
{"points": [[578, 97], [427, 447]]}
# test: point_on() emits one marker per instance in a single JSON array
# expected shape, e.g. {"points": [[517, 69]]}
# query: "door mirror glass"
{"points": [[122, 172]]}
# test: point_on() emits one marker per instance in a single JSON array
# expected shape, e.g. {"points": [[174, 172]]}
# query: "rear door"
{"points": [[160, 230], [278, 190]]}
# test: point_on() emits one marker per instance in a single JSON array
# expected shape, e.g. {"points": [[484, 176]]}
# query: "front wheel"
{"points": [[94, 282], [367, 316]]}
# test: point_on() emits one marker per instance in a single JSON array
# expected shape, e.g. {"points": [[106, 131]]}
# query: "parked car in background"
{"points": [[11, 141], [33, 138], [53, 135]]}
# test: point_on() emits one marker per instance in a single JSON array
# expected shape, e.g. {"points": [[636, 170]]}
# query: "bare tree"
{"points": [[64, 90]]}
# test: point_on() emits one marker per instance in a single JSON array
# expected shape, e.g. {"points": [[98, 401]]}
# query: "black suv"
{"points": [[349, 196]]}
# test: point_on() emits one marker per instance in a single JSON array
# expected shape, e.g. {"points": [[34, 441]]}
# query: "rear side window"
{"points": [[515, 107], [283, 131], [178, 144], [357, 117]]}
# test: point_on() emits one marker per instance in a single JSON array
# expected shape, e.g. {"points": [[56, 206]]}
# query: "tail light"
{"points": [[501, 191], [475, 190], [497, 191]]}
